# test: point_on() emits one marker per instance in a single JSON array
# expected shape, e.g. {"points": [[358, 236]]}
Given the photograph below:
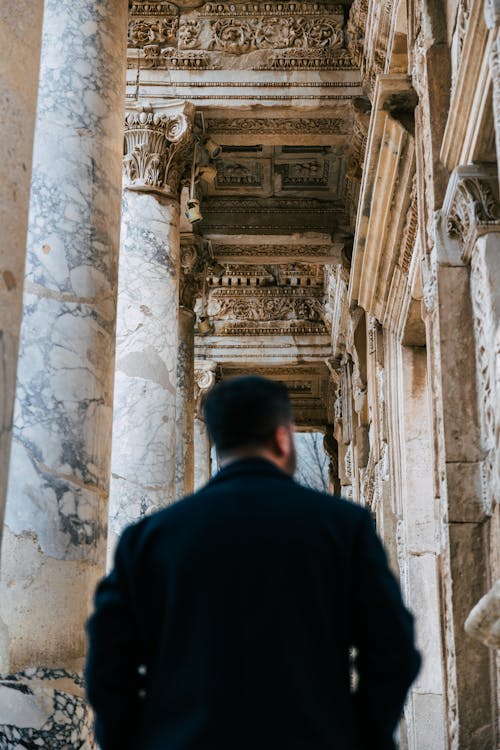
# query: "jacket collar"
{"points": [[253, 466]]}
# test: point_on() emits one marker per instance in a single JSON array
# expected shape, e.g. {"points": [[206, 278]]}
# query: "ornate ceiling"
{"points": [[277, 86]]}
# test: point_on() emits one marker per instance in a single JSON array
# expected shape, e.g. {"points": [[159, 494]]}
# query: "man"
{"points": [[227, 620]]}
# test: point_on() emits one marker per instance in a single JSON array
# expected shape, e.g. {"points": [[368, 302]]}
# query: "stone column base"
{"points": [[44, 708]]}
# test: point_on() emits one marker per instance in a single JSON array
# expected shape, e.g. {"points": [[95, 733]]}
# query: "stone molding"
{"points": [[281, 252], [471, 206], [384, 224], [278, 126], [470, 76], [158, 143]]}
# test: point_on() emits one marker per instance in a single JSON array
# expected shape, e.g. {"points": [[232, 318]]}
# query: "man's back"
{"points": [[242, 602]]}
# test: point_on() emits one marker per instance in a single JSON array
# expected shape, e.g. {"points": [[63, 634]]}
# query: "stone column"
{"points": [[55, 524], [191, 266], [461, 295], [205, 379], [157, 144], [20, 25]]}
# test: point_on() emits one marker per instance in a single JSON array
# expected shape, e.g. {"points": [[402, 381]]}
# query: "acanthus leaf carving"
{"points": [[473, 209], [156, 146], [144, 32]]}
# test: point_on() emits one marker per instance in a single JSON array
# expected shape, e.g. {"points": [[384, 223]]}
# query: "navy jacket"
{"points": [[227, 620]]}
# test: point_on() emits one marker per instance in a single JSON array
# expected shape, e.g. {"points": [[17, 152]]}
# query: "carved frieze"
{"points": [[267, 304], [157, 145], [293, 35], [147, 8], [410, 230], [279, 126], [248, 252], [159, 31]]}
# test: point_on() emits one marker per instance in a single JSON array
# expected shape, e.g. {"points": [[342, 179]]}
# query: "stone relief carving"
{"points": [[189, 33], [305, 174], [268, 304], [156, 143], [233, 174], [278, 251], [356, 26], [269, 9], [147, 8], [162, 31], [484, 333], [278, 126], [307, 35], [410, 230]]}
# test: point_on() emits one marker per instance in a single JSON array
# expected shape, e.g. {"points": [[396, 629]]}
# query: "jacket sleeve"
{"points": [[112, 670], [387, 661]]}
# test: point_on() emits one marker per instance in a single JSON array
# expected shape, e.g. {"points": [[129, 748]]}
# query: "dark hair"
{"points": [[244, 412]]}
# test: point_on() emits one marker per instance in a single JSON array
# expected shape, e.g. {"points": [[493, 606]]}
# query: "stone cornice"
{"points": [[469, 96], [385, 199], [158, 142]]}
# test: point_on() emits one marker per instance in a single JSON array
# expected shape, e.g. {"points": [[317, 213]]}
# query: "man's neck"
{"points": [[229, 459]]}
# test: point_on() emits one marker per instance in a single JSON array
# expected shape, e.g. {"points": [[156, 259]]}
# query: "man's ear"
{"points": [[282, 441]]}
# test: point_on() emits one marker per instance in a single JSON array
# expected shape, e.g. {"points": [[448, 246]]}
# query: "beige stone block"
{"points": [[464, 492], [474, 693], [428, 730], [423, 599], [458, 369]]}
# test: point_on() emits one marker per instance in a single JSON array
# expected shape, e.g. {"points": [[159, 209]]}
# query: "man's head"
{"points": [[251, 416]]}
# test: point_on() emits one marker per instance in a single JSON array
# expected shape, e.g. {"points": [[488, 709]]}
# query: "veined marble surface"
{"points": [[20, 26], [58, 486], [185, 447], [202, 464], [143, 455]]}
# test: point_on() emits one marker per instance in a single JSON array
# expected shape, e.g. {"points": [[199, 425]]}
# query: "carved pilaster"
{"points": [[471, 207], [158, 144]]}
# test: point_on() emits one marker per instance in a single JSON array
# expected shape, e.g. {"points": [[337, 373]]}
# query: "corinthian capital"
{"points": [[158, 144], [471, 206]]}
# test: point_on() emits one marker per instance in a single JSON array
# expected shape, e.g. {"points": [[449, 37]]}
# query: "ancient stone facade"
{"points": [[304, 190]]}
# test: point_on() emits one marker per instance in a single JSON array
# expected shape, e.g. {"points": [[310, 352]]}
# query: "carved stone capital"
{"points": [[192, 265], [471, 207], [158, 145], [205, 377]]}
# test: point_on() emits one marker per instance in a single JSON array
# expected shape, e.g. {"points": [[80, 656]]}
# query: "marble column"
{"points": [[205, 378], [20, 25], [55, 523], [158, 143], [190, 268]]}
